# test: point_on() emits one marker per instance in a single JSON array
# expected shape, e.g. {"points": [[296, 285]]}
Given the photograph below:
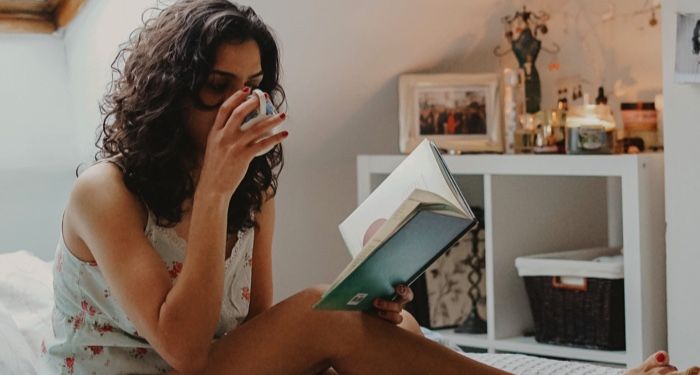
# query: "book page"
{"points": [[420, 170]]}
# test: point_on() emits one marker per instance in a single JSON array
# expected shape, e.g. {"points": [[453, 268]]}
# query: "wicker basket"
{"points": [[588, 312]]}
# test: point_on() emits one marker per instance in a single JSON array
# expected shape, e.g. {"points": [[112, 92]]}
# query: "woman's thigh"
{"points": [[289, 338], [280, 340]]}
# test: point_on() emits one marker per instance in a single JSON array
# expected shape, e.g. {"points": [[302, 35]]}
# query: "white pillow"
{"points": [[26, 292], [15, 356]]}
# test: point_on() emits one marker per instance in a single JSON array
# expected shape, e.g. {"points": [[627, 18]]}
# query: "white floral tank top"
{"points": [[91, 332]]}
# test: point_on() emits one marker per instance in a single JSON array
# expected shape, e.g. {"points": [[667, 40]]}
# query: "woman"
{"points": [[163, 264]]}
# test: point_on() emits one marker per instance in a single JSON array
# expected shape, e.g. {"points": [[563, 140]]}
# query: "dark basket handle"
{"points": [[557, 284]]}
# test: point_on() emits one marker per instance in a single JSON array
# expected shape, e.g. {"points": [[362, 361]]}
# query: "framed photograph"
{"points": [[459, 112], [688, 48]]}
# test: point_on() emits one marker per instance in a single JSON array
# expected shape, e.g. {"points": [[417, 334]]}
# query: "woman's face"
{"points": [[236, 66]]}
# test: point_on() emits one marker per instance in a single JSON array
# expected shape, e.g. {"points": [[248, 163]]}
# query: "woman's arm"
{"points": [[177, 320], [261, 283]]}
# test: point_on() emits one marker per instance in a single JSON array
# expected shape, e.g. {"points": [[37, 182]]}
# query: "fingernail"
{"points": [[283, 116], [661, 357], [402, 289], [285, 133], [246, 89]]}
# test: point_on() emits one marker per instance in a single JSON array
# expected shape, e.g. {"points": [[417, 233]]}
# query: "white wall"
{"points": [[37, 144], [682, 131], [341, 60], [91, 42]]}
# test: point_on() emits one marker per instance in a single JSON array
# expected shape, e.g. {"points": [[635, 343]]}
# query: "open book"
{"points": [[408, 221]]}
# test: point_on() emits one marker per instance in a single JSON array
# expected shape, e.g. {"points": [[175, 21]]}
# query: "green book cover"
{"points": [[401, 258]]}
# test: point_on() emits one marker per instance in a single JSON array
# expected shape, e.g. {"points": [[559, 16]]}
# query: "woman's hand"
{"points": [[229, 149], [391, 310]]}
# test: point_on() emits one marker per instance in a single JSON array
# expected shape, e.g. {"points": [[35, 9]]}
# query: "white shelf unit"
{"points": [[546, 203]]}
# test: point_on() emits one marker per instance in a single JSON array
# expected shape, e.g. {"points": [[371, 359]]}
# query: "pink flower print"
{"points": [[77, 320], [175, 269], [43, 347], [102, 328], [70, 361], [245, 293], [95, 349], [138, 353], [59, 261], [88, 308]]}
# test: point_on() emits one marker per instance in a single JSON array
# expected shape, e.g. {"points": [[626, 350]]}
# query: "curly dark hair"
{"points": [[169, 59]]}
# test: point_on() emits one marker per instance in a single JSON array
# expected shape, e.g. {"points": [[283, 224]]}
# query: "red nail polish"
{"points": [[246, 89], [285, 133], [660, 357], [283, 116]]}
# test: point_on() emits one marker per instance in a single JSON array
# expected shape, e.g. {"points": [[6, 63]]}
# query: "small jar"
{"points": [[640, 120], [590, 129]]}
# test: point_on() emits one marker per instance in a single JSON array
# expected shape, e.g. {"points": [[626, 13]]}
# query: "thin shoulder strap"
{"points": [[116, 160]]}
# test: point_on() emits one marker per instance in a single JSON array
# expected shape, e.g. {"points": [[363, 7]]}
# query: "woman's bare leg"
{"points": [[409, 323], [292, 338]]}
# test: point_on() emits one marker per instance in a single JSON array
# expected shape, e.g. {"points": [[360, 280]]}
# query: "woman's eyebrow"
{"points": [[258, 74]]}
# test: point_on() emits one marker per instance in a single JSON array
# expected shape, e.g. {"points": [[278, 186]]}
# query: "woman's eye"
{"points": [[218, 87]]}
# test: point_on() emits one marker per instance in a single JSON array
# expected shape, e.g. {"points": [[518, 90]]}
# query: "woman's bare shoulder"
{"points": [[99, 188]]}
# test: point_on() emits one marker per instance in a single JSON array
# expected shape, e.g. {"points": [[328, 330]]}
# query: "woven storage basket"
{"points": [[575, 301]]}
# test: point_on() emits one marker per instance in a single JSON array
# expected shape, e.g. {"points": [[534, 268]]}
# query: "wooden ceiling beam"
{"points": [[28, 6], [26, 23], [42, 16], [66, 11]]}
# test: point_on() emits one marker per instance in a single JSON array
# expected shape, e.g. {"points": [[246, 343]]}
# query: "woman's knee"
{"points": [[310, 295]]}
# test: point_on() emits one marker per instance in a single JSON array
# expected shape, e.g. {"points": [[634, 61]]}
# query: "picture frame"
{"points": [[461, 113], [687, 63]]}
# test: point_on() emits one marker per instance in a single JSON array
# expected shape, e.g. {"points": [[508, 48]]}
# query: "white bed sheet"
{"points": [[26, 299]]}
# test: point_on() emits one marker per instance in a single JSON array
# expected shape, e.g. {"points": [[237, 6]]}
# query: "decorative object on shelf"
{"points": [[541, 133], [522, 30], [459, 112], [590, 129], [476, 262], [448, 300], [513, 98], [639, 120], [611, 15], [688, 48], [601, 98], [659, 105]]}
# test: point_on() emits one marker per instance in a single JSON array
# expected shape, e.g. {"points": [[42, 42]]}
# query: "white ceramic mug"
{"points": [[264, 111]]}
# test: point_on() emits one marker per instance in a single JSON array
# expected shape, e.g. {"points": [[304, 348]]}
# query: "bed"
{"points": [[26, 299]]}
